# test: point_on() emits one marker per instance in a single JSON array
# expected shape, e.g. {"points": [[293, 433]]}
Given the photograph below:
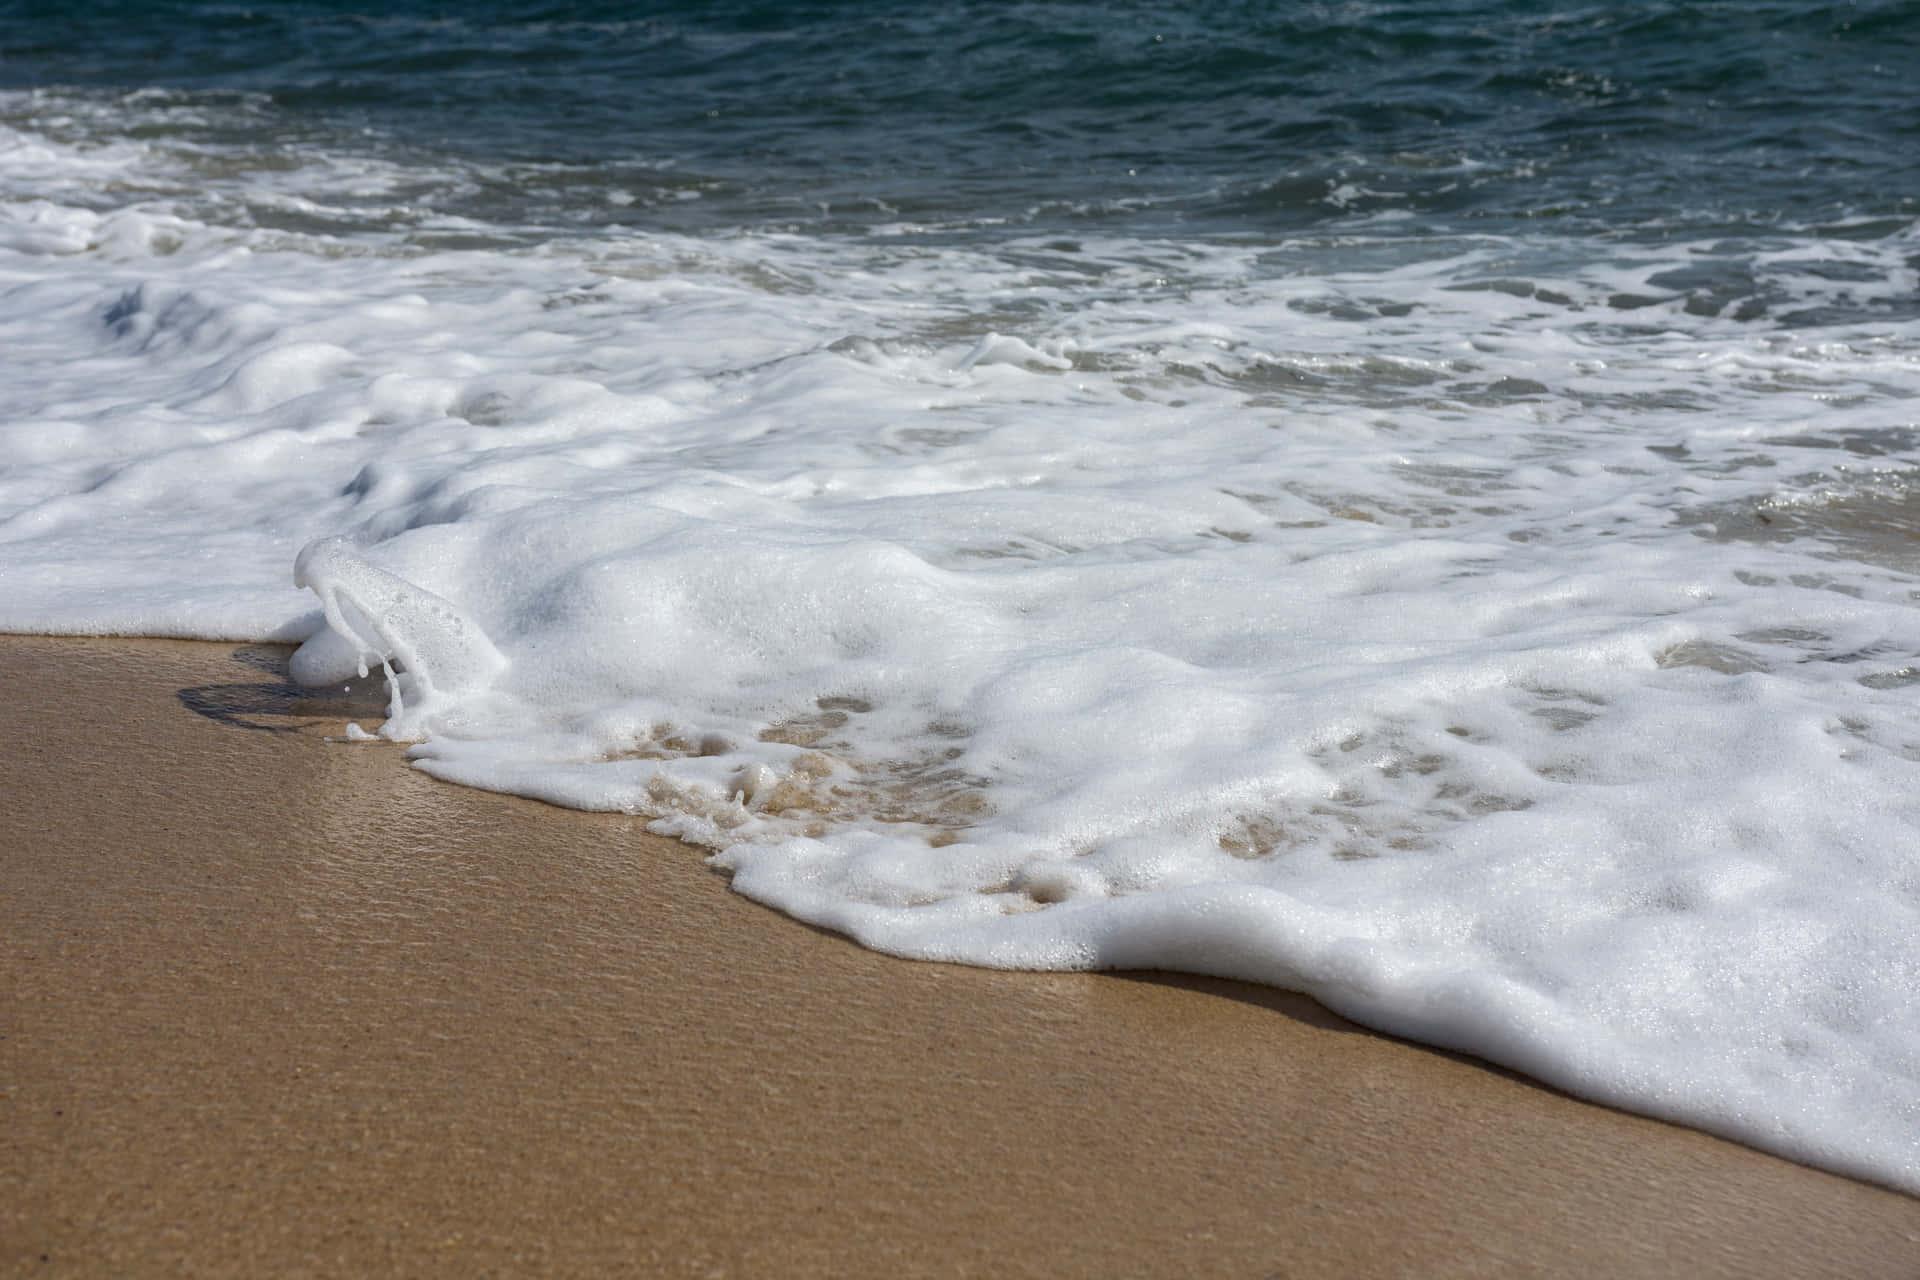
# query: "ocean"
{"points": [[1409, 502]]}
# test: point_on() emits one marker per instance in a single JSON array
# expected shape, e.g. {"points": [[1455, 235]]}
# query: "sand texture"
{"points": [[274, 1005]]}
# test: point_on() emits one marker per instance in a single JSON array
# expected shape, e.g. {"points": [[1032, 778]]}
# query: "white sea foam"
{"points": [[1512, 650]]}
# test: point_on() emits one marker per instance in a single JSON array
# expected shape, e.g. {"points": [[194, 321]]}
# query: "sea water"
{"points": [[1409, 502]]}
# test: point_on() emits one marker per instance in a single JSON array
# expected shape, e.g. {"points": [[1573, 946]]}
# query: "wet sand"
{"points": [[271, 1005]]}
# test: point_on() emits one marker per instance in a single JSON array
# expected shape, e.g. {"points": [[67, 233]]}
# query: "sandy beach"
{"points": [[272, 1004]]}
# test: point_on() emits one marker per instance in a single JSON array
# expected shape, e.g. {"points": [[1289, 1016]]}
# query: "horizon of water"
{"points": [[1412, 503]]}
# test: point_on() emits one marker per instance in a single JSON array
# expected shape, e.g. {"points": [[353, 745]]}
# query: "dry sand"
{"points": [[273, 1005]]}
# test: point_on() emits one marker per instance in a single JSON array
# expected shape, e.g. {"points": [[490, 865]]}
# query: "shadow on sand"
{"points": [[280, 706]]}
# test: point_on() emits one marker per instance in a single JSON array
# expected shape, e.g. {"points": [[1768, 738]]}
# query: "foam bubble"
{"points": [[441, 655]]}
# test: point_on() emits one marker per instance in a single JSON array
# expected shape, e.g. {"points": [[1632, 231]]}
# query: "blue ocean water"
{"points": [[1642, 120]]}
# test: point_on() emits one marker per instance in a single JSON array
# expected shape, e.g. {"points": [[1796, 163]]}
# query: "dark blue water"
{"points": [[1643, 120]]}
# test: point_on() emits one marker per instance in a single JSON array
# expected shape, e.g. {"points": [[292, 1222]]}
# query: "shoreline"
{"points": [[272, 1004]]}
